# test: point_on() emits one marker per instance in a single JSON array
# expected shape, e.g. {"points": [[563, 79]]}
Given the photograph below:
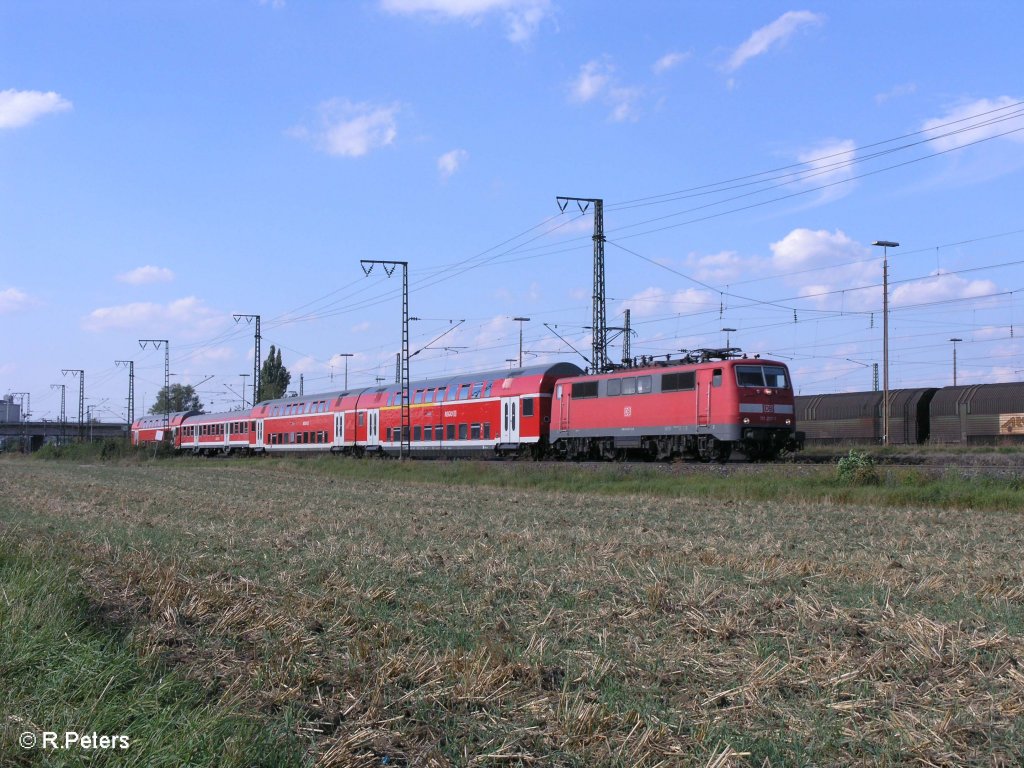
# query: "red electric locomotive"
{"points": [[702, 407]]}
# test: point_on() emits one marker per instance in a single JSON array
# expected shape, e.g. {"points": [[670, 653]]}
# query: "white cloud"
{"points": [[773, 35], [275, 4], [188, 316], [593, 78], [450, 162], [522, 17], [351, 130], [19, 108], [13, 300], [806, 248], [147, 274], [362, 327], [658, 301], [597, 79], [940, 287], [973, 113], [720, 268], [669, 61], [897, 91]]}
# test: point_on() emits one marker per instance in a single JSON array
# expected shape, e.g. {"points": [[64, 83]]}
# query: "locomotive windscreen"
{"points": [[761, 376]]}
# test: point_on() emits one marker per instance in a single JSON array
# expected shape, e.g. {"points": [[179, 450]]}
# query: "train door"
{"points": [[563, 408], [709, 382], [510, 419], [373, 428], [259, 433], [339, 429]]}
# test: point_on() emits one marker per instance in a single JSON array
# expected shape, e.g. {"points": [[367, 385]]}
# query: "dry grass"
{"points": [[402, 623]]}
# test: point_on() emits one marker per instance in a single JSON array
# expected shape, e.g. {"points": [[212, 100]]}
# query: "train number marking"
{"points": [[450, 414]]}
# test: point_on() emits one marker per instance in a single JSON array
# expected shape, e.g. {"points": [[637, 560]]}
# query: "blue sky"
{"points": [[164, 165]]}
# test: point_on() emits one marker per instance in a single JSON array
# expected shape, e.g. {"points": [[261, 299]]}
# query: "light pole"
{"points": [[244, 376], [521, 320], [346, 355], [727, 332], [954, 340], [510, 361], [885, 245]]}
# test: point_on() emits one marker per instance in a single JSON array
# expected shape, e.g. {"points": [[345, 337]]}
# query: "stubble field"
{"points": [[353, 613]]}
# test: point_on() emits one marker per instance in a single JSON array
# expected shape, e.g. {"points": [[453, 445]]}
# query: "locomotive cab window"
{"points": [[716, 377], [773, 376], [643, 384], [614, 387], [629, 386]]}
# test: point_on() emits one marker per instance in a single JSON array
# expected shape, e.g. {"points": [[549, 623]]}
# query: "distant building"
{"points": [[10, 411]]}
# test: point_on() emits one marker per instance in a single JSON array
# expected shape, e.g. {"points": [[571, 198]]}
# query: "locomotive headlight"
{"points": [[746, 419], [788, 422]]}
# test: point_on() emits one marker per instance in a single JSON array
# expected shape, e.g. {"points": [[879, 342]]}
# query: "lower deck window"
{"points": [[451, 432], [474, 431], [463, 431]]}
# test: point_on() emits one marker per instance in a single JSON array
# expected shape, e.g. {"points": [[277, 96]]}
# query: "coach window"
{"points": [[418, 398], [487, 431], [643, 384], [440, 394], [450, 432], [429, 396], [388, 433], [428, 433], [474, 431], [716, 377], [362, 419], [476, 390], [487, 392], [438, 432], [527, 408], [629, 386], [463, 431], [417, 433]]}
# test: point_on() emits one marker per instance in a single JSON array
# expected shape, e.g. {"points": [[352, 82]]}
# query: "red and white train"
{"points": [[699, 409]]}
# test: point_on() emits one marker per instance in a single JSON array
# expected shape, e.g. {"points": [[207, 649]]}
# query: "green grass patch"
{"points": [[64, 670]]}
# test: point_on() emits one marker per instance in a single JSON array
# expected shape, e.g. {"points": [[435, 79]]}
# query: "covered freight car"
{"points": [[856, 417], [978, 413]]}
